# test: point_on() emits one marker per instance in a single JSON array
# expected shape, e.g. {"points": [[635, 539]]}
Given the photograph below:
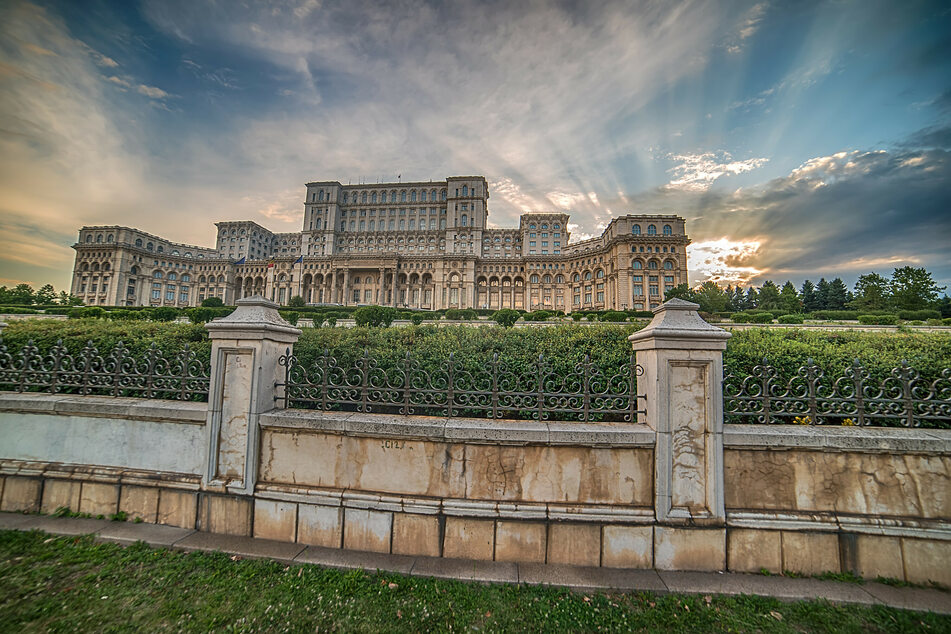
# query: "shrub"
{"points": [[374, 316], [332, 321], [878, 320], [762, 318], [89, 312], [458, 314], [296, 302], [946, 321], [290, 316], [791, 318], [912, 315], [613, 315], [836, 314], [538, 315], [417, 318], [505, 317], [741, 318], [576, 316], [121, 314], [13, 310], [165, 313], [212, 302]]}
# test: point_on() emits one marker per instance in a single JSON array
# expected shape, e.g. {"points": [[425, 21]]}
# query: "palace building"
{"points": [[422, 245]]}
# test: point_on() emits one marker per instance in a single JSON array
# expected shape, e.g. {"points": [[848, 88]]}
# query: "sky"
{"points": [[799, 139]]}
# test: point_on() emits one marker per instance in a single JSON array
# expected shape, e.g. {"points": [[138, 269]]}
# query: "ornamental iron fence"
{"points": [[181, 376], [902, 398], [492, 391]]}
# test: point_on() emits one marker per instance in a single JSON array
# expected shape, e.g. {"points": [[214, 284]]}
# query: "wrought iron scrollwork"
{"points": [[180, 376], [454, 389], [902, 398]]}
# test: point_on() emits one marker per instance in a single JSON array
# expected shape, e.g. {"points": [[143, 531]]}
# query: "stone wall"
{"points": [[677, 490]]}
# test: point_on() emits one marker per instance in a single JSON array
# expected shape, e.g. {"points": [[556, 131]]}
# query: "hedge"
{"points": [[879, 320], [790, 319]]}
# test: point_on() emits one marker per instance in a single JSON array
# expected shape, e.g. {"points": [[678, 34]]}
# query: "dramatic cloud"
{"points": [[697, 172]]}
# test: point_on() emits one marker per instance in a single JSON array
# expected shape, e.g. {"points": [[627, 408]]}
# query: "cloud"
{"points": [[835, 215], [698, 172], [152, 92], [749, 24]]}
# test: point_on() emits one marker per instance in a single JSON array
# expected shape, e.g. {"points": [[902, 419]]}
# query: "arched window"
{"points": [[651, 230], [412, 196], [668, 265], [186, 277], [652, 264], [157, 275], [149, 246], [109, 238], [373, 197], [667, 230], [559, 279], [531, 226], [320, 195], [99, 238], [363, 198], [89, 238], [161, 249], [534, 279], [172, 276], [465, 190], [637, 264], [403, 196], [587, 275], [599, 274], [138, 242], [576, 278], [636, 230], [465, 220], [134, 270], [547, 279]]}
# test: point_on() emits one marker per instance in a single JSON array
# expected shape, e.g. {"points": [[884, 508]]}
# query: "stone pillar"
{"points": [[682, 357], [245, 348]]}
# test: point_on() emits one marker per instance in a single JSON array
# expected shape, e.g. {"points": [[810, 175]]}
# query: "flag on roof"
{"points": [[241, 261], [299, 260], [270, 264]]}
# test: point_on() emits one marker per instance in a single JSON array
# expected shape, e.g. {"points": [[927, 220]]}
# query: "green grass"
{"points": [[74, 584]]}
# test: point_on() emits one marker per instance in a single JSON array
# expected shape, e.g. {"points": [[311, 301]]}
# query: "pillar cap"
{"points": [[676, 324], [254, 318]]}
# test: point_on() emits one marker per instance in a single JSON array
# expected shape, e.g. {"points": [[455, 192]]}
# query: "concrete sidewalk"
{"points": [[574, 577]]}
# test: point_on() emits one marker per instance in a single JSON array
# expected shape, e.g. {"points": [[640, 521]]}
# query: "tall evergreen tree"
{"points": [[789, 298], [768, 296], [872, 292], [752, 298], [739, 299], [711, 297], [729, 297], [822, 295], [808, 297], [839, 294]]}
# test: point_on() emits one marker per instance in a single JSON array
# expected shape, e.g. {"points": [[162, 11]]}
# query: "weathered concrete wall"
{"points": [[152, 435]]}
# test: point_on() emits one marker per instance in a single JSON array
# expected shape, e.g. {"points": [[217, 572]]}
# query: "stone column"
{"points": [[245, 348], [682, 357]]}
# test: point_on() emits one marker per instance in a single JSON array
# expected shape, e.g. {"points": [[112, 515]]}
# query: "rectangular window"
{"points": [[638, 291], [669, 278], [638, 278], [544, 243], [92, 288], [601, 297], [653, 290], [156, 294], [170, 295], [183, 298], [531, 244]]}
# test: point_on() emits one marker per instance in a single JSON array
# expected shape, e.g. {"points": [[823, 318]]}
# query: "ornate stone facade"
{"points": [[423, 245]]}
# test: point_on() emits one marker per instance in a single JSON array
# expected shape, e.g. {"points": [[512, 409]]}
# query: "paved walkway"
{"points": [[575, 577]]}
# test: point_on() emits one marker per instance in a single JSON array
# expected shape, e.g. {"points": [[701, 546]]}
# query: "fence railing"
{"points": [[181, 376], [850, 398], [492, 391]]}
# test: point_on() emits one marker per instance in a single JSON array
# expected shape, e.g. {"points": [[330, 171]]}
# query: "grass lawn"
{"points": [[74, 584]]}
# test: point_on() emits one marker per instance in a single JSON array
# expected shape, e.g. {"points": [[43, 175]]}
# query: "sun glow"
{"points": [[723, 261]]}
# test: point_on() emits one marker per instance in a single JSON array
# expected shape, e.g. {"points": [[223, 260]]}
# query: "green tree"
{"points": [[912, 288], [944, 306], [789, 298], [711, 297], [681, 291], [769, 296], [22, 294], [296, 302], [212, 302], [839, 295], [752, 299], [739, 299], [46, 294], [807, 295], [506, 317], [729, 297], [872, 292], [822, 295]]}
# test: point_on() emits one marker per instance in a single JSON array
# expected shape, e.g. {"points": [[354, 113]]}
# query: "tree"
{"points": [[65, 299], [944, 306], [912, 288], [681, 291], [711, 297], [212, 302], [768, 296], [506, 317], [872, 292], [808, 297], [739, 299], [296, 302], [838, 295], [752, 298], [789, 298], [729, 298], [22, 294], [46, 294], [822, 294]]}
